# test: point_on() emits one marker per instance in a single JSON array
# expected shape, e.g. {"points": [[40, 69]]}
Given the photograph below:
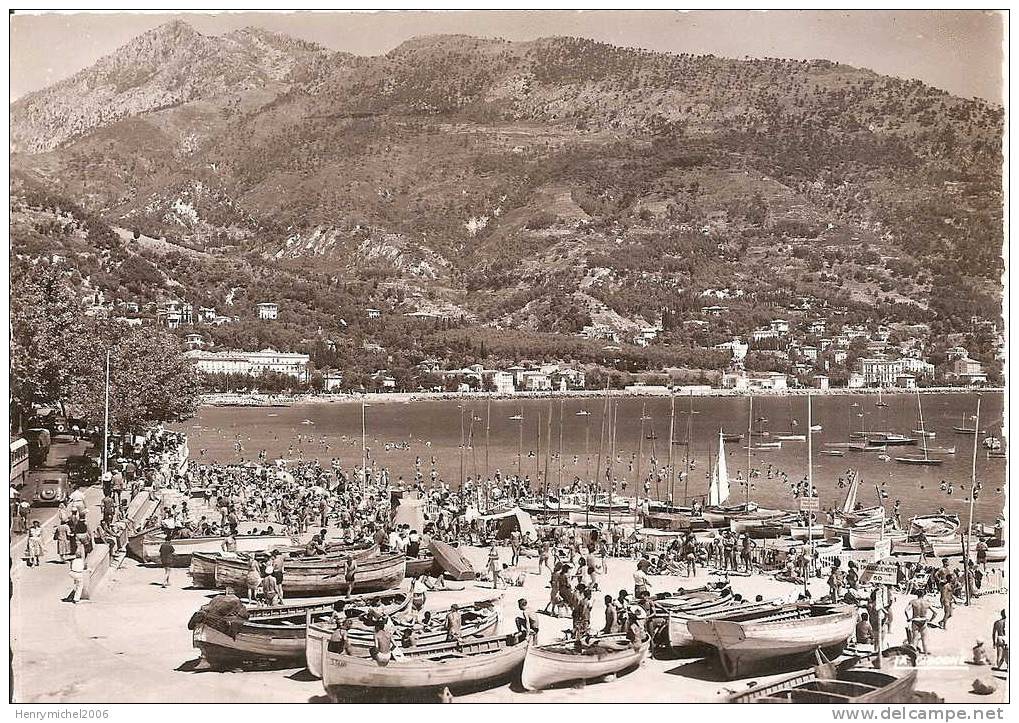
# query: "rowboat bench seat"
{"points": [[829, 691]]}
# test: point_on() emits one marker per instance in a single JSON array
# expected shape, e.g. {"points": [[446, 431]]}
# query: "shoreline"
{"points": [[225, 399]]}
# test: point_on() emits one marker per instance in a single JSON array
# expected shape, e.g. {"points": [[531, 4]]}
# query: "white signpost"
{"points": [[882, 550], [810, 504]]}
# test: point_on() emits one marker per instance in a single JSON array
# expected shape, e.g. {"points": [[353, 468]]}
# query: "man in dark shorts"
{"points": [[166, 553], [918, 615]]}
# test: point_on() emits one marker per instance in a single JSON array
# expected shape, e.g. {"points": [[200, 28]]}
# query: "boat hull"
{"points": [[866, 539], [489, 662], [546, 668], [316, 643], [277, 635], [744, 645], [856, 686], [145, 547]]}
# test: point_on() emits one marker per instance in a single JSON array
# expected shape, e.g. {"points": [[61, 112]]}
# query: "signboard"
{"points": [[810, 504], [878, 574], [882, 549]]}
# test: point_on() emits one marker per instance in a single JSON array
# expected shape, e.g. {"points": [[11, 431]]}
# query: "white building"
{"points": [[250, 363], [332, 381], [267, 311]]}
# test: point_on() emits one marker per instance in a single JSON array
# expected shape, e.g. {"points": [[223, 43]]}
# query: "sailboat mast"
{"points": [[750, 444], [488, 428], [672, 438], [688, 468], [561, 405], [972, 498], [548, 444], [810, 485], [520, 445], [923, 434], [640, 442], [612, 479]]}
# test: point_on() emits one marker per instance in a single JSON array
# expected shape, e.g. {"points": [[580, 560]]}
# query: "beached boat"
{"points": [[744, 640], [144, 546], [546, 666], [424, 564], [741, 523], [935, 548], [925, 433], [964, 430], [454, 564], [935, 527], [729, 438], [677, 632], [719, 516], [802, 532], [468, 665], [864, 538], [790, 437], [764, 446], [848, 683], [204, 564], [300, 578], [477, 619], [833, 452], [679, 519], [275, 636]]}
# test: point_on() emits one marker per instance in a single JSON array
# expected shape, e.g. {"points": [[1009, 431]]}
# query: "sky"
{"points": [[957, 51]]}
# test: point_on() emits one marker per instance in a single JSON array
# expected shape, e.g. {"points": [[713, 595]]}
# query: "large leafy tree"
{"points": [[57, 355], [150, 379], [43, 322]]}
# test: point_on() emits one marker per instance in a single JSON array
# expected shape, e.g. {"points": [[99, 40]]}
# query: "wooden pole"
{"points": [[750, 444], [972, 499], [672, 437], [561, 408], [106, 417], [640, 442]]}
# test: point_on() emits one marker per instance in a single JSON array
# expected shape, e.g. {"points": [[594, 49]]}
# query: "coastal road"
{"points": [[47, 514]]}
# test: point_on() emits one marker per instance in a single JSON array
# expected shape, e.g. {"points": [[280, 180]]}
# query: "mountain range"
{"points": [[540, 186]]}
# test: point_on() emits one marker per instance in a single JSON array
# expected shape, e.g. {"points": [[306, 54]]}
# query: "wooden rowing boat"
{"points": [[546, 666], [745, 640], [471, 665], [718, 516], [275, 636], [864, 538], [455, 565], [424, 564], [477, 619], [937, 548], [848, 683], [678, 633], [383, 572], [204, 564], [803, 532], [144, 546]]}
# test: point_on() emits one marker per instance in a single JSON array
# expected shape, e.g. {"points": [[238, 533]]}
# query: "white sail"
{"points": [[718, 493], [850, 503]]}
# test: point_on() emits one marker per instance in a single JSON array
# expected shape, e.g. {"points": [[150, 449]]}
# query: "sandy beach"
{"points": [[251, 399], [131, 644]]}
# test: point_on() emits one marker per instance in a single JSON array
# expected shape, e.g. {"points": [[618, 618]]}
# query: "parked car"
{"points": [[55, 423], [52, 489], [82, 471], [38, 446]]}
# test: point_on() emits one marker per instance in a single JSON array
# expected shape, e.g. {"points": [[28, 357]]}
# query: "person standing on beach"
{"points": [[166, 553], [999, 636], [918, 615], [493, 565]]}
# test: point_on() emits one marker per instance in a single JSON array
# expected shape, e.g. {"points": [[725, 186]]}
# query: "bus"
{"points": [[19, 462]]}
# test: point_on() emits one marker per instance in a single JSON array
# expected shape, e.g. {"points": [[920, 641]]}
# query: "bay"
{"points": [[400, 432]]}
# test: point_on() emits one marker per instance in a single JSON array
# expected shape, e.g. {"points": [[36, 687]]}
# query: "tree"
{"points": [[150, 379], [43, 322]]}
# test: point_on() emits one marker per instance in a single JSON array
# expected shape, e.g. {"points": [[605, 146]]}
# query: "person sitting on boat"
{"points": [[454, 624], [339, 641], [382, 650], [864, 631]]}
